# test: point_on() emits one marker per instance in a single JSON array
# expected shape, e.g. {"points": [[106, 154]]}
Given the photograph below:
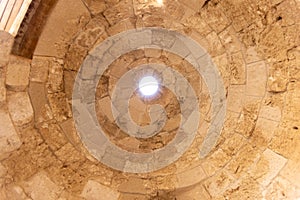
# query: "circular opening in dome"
{"points": [[148, 86]]}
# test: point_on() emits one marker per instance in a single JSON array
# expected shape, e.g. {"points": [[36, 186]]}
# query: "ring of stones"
{"points": [[98, 60]]}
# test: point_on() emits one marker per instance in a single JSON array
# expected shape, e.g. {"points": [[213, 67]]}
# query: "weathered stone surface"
{"points": [[9, 139], [2, 87], [17, 74], [71, 18], [243, 161], [267, 167], [237, 68], [218, 184], [118, 12], [196, 192], [55, 78], [40, 186], [59, 105], [14, 192], [6, 42], [39, 69], [280, 188], [256, 79], [20, 108], [235, 99], [190, 177], [95, 191], [38, 97]]}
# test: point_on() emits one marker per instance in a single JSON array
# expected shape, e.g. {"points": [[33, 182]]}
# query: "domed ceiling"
{"points": [[152, 99]]}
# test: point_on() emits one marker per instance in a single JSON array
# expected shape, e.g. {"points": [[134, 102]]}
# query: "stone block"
{"points": [[196, 192], [17, 74], [55, 78], [39, 69], [60, 106], [95, 191], [235, 99], [256, 79], [20, 109], [9, 139], [237, 68], [40, 186], [190, 177], [118, 12], [268, 167]]}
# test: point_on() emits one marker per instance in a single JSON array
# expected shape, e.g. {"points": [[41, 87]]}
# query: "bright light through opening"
{"points": [[160, 2], [148, 85]]}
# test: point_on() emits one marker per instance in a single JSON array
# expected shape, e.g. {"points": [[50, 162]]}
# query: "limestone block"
{"points": [[277, 84], [2, 87], [251, 55], [39, 69], [6, 42], [14, 192], [194, 4], [196, 192], [198, 24], [268, 167], [118, 12], [237, 68], [256, 79], [40, 105], [95, 191], [215, 18], [264, 132], [40, 186], [133, 185], [20, 108], [218, 183], [95, 6], [17, 74], [133, 196], [235, 99], [9, 139], [190, 177], [215, 46], [270, 112], [280, 188], [230, 40], [243, 161], [53, 136], [55, 78], [69, 79], [59, 105]]}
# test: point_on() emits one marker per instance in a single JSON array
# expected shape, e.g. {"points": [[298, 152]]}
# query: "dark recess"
{"points": [[31, 27]]}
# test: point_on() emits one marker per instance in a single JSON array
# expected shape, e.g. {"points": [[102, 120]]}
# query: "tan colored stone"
{"points": [[6, 42], [70, 19], [251, 55], [243, 161], [230, 40], [235, 98], [247, 119], [95, 191], [133, 197], [104, 107], [55, 78], [237, 68], [15, 192], [196, 192], [39, 69], [263, 132], [59, 105], [118, 12], [277, 84], [280, 188], [2, 87], [218, 184], [17, 74], [215, 17], [9, 139], [268, 166], [40, 186], [20, 109], [40, 105], [95, 6], [190, 177], [270, 112], [215, 46], [256, 79]]}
